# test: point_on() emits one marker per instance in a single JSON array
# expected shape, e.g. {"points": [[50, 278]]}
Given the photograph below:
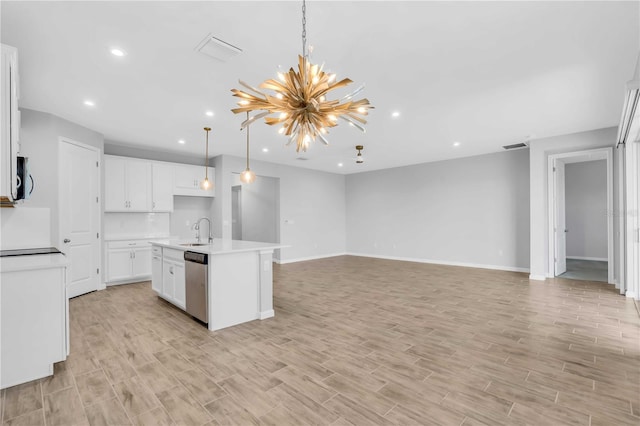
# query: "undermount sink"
{"points": [[194, 244]]}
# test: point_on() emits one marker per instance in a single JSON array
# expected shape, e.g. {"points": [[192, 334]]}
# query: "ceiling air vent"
{"points": [[218, 49], [515, 146]]}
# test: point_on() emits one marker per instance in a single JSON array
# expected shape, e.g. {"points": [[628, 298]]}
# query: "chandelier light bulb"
{"points": [[205, 184], [281, 130]]}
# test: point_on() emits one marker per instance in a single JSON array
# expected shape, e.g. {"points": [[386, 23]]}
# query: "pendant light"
{"points": [[247, 176], [206, 184]]}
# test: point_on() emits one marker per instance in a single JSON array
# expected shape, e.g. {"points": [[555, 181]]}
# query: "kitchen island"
{"points": [[239, 284]]}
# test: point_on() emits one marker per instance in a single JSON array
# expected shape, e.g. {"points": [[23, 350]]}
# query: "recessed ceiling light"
{"points": [[89, 103], [181, 142], [265, 149], [456, 144], [340, 164], [209, 113], [118, 52], [395, 114]]}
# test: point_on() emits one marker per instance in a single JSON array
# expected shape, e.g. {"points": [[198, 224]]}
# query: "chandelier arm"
{"points": [[253, 89], [247, 140], [356, 125]]}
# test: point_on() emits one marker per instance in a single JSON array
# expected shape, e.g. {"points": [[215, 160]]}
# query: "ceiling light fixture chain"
{"points": [[300, 101]]}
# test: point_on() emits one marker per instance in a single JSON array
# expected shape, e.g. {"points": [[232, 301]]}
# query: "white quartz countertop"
{"points": [[125, 237], [219, 246], [33, 261]]}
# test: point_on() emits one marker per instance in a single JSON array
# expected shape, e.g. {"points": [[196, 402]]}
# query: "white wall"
{"points": [[312, 207], [472, 211], [39, 141], [186, 211], [259, 208], [586, 209], [540, 149]]}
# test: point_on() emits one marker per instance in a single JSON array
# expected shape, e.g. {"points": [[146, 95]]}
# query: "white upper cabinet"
{"points": [[162, 187], [134, 185], [188, 178], [127, 185]]}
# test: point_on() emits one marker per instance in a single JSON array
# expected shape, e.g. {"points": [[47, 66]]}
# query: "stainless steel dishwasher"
{"points": [[197, 283]]}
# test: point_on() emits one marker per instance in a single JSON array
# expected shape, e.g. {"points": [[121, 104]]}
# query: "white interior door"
{"points": [[79, 215], [560, 228]]}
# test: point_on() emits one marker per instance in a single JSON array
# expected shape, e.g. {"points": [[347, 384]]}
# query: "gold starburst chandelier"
{"points": [[300, 101]]}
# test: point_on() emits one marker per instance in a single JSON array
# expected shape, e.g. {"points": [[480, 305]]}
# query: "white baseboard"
{"points": [[302, 259], [599, 259], [266, 314], [537, 277], [443, 262]]}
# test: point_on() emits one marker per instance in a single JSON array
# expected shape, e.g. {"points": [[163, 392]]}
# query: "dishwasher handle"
{"points": [[192, 256]]}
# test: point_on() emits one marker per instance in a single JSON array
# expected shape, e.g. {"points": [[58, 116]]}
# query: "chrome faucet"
{"points": [[197, 228]]}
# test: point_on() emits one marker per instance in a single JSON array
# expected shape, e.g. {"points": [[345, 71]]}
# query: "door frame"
{"points": [[98, 254], [600, 153]]}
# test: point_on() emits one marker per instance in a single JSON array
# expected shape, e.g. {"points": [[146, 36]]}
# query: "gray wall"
{"points": [[471, 211], [39, 136], [116, 148], [586, 209], [312, 207], [259, 208]]}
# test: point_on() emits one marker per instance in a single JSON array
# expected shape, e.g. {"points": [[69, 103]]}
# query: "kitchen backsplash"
{"points": [[134, 225], [25, 227], [186, 211]]}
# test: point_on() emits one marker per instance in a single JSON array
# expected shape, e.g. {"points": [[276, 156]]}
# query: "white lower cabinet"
{"points": [[156, 269], [33, 318], [128, 261], [171, 286]]}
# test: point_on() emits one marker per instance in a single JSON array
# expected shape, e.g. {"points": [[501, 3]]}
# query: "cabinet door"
{"points": [[139, 186], [185, 177], [141, 262], [156, 273], [162, 187], [115, 197], [168, 273], [119, 264], [187, 180], [179, 289]]}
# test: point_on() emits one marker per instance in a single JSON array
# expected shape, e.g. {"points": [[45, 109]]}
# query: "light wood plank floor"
{"points": [[354, 341]]}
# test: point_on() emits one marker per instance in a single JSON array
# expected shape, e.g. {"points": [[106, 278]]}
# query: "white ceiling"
{"points": [[483, 74]]}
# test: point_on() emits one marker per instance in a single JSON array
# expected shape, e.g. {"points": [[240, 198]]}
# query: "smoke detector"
{"points": [[217, 49]]}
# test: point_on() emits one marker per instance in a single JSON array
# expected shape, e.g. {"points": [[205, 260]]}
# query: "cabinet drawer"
{"points": [[157, 251], [172, 254], [128, 244]]}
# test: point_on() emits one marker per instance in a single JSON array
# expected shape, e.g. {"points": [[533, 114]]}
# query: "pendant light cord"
{"points": [[206, 156], [248, 142]]}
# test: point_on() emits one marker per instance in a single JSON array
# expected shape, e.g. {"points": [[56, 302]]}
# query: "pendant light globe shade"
{"points": [[205, 184], [247, 176]]}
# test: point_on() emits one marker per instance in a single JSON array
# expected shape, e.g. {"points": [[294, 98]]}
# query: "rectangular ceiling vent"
{"points": [[515, 146], [217, 49]]}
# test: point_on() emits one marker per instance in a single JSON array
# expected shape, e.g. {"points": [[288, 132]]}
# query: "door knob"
{"points": [[66, 240]]}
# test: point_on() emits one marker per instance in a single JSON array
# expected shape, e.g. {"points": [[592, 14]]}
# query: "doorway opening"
{"points": [[255, 210], [581, 231]]}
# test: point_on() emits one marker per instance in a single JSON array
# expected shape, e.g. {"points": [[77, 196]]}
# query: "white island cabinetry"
{"points": [[240, 280]]}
